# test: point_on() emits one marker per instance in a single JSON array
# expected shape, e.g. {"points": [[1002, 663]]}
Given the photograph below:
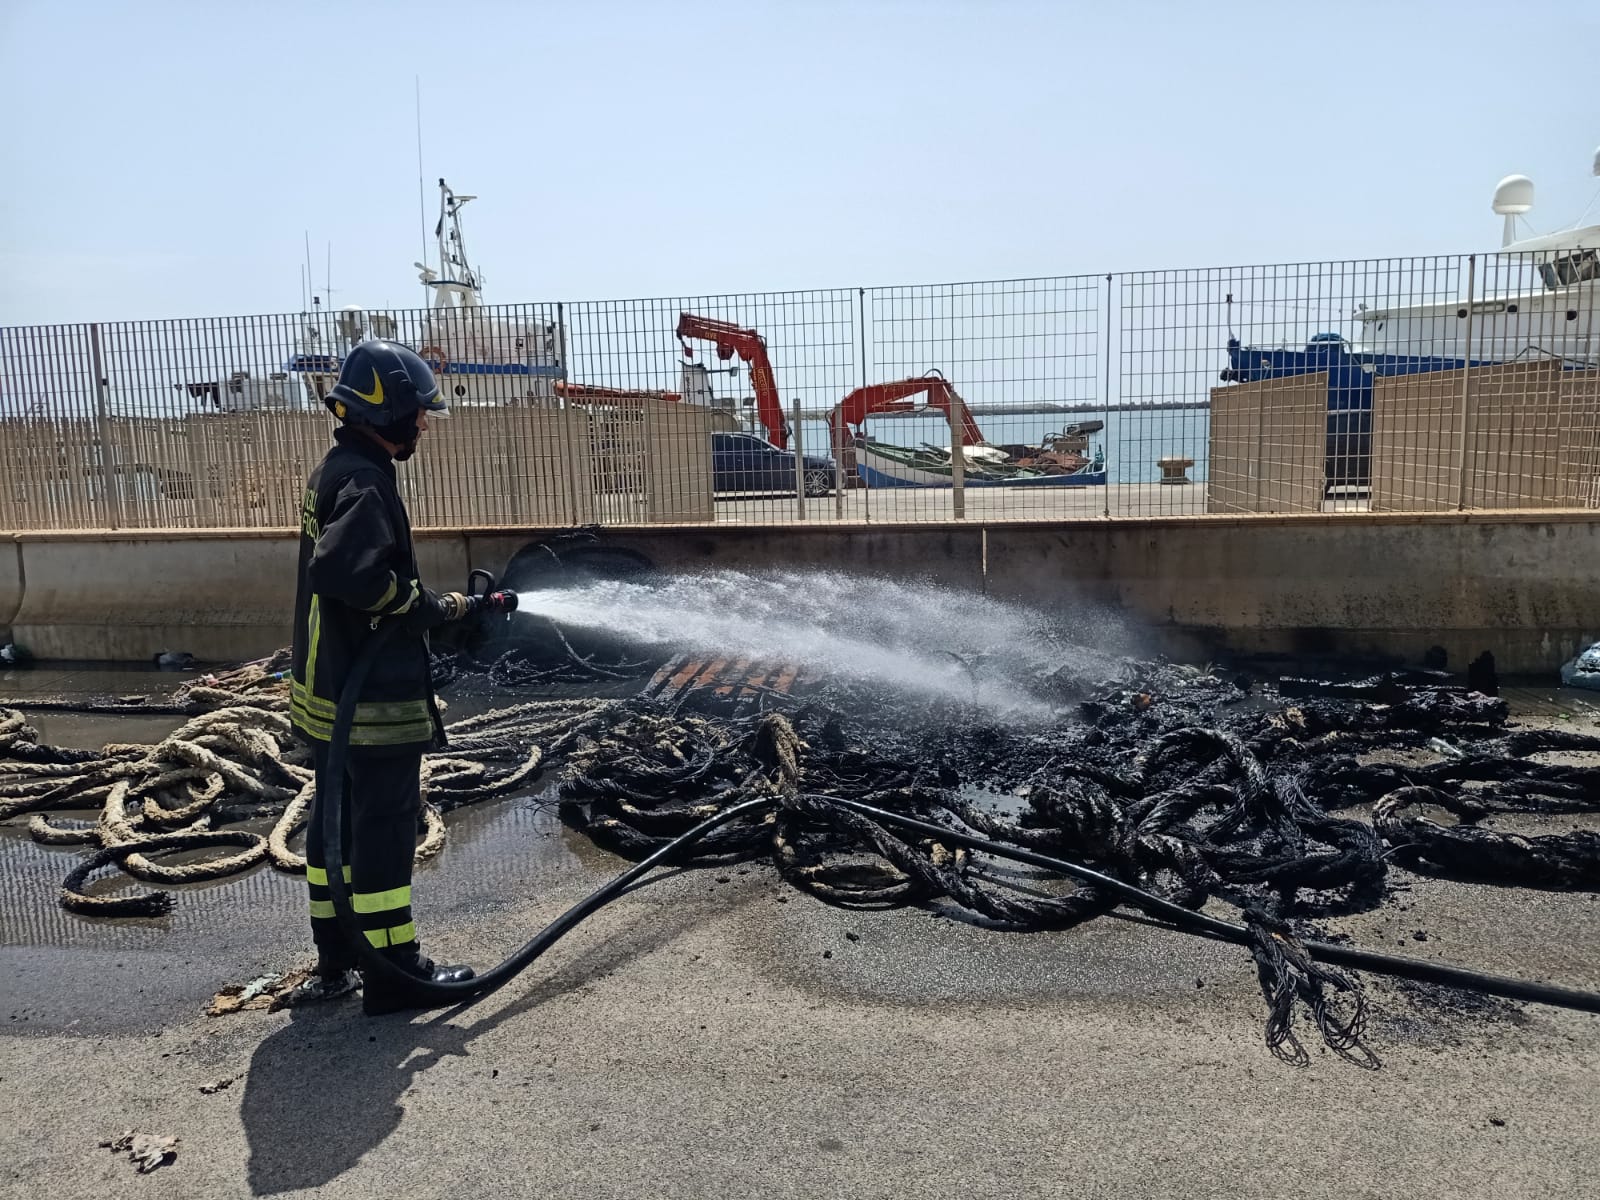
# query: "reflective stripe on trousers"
{"points": [[380, 832]]}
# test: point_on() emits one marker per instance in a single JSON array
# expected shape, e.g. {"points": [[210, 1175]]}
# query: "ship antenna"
{"points": [[422, 207], [1583, 216]]}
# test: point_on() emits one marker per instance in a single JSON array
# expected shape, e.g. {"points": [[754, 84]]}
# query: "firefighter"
{"points": [[358, 570]]}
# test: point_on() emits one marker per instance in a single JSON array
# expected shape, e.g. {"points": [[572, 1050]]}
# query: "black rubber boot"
{"points": [[378, 996]]}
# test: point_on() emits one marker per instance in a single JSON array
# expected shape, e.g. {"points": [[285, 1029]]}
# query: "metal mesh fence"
{"points": [[1398, 385], [1019, 371], [760, 367]]}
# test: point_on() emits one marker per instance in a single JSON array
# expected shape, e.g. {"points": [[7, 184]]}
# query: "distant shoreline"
{"points": [[1012, 410]]}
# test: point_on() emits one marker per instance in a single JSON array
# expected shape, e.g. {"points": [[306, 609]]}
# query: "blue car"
{"points": [[742, 462]]}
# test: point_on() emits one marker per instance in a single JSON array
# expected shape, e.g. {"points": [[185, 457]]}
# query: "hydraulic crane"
{"points": [[752, 348], [897, 397]]}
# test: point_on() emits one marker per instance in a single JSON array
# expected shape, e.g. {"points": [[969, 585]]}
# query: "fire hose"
{"points": [[422, 993]]}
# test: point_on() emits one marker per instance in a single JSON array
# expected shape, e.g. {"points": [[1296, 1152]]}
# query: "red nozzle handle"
{"points": [[492, 602]]}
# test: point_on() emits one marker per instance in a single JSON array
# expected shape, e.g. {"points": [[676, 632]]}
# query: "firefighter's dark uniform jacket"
{"points": [[358, 568]]}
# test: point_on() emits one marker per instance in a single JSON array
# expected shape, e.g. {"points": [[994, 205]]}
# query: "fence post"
{"points": [[1105, 400], [569, 449], [837, 433], [1258, 454], [861, 337], [1466, 385], [799, 464], [958, 456], [110, 475]]}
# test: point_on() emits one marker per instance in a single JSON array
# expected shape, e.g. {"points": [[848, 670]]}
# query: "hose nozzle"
{"points": [[458, 607], [480, 597], [496, 602]]}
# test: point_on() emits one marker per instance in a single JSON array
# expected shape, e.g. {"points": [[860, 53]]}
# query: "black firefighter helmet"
{"points": [[384, 384]]}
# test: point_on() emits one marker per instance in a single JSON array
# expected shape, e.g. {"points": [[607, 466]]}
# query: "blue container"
{"points": [[1350, 376]]}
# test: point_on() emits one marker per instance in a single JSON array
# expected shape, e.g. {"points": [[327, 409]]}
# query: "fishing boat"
{"points": [[1537, 299], [1063, 453], [1060, 461], [881, 465], [481, 357]]}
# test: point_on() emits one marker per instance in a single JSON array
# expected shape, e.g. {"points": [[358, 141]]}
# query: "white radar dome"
{"points": [[1513, 196]]}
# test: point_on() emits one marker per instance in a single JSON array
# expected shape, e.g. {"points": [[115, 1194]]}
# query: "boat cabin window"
{"points": [[1570, 269]]}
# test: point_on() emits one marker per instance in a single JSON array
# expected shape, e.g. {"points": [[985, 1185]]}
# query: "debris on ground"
{"points": [[266, 993], [1481, 675], [221, 1085], [146, 1151], [1584, 670]]}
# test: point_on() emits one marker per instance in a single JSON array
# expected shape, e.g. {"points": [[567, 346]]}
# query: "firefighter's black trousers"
{"points": [[381, 800]]}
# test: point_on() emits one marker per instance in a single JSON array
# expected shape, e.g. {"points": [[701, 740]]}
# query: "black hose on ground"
{"points": [[425, 993], [1193, 922]]}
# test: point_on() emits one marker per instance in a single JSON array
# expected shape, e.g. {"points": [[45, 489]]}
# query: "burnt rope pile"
{"points": [[1173, 781], [1176, 781], [236, 779]]}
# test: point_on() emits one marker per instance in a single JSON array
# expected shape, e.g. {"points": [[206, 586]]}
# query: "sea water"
{"points": [[1132, 440]]}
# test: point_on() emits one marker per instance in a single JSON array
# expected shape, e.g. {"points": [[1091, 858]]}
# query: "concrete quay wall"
{"points": [[1523, 585]]}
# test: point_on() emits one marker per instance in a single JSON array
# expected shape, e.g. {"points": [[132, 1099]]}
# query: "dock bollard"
{"points": [[1175, 469]]}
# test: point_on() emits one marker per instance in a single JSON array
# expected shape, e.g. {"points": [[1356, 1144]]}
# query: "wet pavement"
{"points": [[717, 1033], [87, 681], [63, 964]]}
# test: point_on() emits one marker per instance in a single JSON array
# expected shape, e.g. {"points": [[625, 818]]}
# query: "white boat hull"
{"points": [[881, 471], [1562, 324]]}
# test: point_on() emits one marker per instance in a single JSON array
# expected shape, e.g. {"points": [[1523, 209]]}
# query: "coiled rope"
{"points": [[237, 764]]}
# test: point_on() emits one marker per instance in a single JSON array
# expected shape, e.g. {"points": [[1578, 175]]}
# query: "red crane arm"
{"points": [[749, 345], [895, 397]]}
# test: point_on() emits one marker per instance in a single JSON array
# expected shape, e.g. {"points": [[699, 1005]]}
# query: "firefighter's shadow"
{"points": [[330, 1086]]}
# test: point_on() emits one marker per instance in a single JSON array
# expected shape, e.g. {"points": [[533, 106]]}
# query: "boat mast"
{"points": [[456, 280]]}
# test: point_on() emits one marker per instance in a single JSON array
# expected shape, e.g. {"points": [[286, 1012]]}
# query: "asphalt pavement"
{"points": [[717, 1034]]}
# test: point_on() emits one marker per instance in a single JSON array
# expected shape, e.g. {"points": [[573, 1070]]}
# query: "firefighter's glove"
{"points": [[429, 611]]}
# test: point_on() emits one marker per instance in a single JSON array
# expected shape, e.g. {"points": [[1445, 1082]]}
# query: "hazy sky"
{"points": [[167, 159]]}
